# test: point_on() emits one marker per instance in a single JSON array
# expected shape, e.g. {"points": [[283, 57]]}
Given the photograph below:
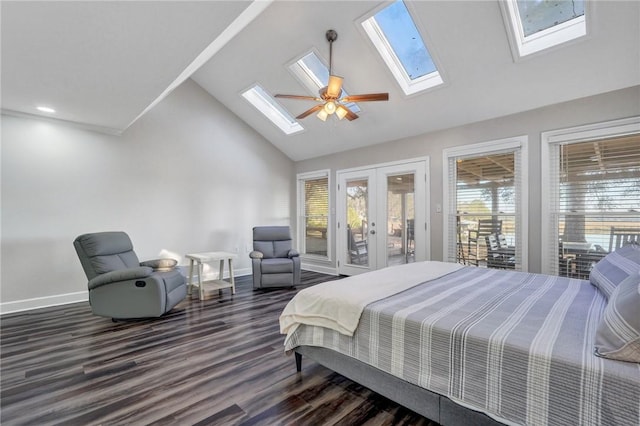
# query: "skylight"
{"points": [[538, 24], [396, 36], [271, 109], [314, 75]]}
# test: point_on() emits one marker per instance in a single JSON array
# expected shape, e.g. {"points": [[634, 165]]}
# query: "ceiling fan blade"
{"points": [[366, 98], [344, 112], [334, 88], [309, 111], [351, 116], [308, 98]]}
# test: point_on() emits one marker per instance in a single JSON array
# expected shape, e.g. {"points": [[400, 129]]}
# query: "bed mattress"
{"points": [[516, 346]]}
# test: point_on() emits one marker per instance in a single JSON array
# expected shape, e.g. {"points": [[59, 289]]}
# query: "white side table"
{"points": [[199, 259]]}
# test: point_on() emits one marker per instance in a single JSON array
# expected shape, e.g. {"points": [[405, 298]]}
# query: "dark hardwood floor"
{"points": [[216, 362]]}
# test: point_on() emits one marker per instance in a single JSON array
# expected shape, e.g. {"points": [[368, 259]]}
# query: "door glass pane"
{"points": [[400, 219], [357, 221]]}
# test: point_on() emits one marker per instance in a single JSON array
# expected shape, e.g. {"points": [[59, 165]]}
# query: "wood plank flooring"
{"points": [[215, 362]]}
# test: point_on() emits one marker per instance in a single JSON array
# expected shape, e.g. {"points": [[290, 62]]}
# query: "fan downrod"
{"points": [[332, 36]]}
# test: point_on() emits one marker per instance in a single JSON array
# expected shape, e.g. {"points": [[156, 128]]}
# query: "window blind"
{"points": [[316, 215], [453, 248], [595, 200]]}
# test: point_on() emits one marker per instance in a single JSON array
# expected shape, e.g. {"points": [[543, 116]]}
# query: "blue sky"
{"points": [[403, 36]]}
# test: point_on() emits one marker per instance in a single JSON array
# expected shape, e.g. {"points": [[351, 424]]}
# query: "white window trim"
{"points": [[300, 178], [266, 106], [586, 133], [522, 46], [486, 148], [304, 75], [380, 42]]}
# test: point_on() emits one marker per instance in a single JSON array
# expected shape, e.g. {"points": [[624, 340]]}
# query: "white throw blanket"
{"points": [[338, 304]]}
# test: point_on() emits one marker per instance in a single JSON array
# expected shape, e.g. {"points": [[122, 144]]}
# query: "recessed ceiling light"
{"points": [[46, 109]]}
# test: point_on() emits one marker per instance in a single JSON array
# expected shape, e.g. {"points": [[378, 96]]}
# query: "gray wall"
{"points": [[189, 176], [609, 106]]}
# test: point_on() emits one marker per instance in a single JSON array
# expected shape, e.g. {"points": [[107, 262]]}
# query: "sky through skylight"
{"points": [[536, 25], [538, 15], [405, 40]]}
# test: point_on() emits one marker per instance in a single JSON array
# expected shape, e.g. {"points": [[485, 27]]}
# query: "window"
{"points": [[536, 16], [313, 213], [271, 109], [485, 204], [535, 25], [594, 200], [396, 37], [314, 75]]}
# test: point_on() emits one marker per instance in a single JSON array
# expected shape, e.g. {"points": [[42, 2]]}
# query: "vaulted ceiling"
{"points": [[103, 64]]}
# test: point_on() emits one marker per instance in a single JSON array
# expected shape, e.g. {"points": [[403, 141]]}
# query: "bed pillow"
{"points": [[614, 268], [618, 334]]}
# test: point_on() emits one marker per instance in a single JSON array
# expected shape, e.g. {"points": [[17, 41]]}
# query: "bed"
{"points": [[466, 345]]}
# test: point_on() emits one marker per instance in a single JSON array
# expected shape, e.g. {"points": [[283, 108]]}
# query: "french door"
{"points": [[381, 215]]}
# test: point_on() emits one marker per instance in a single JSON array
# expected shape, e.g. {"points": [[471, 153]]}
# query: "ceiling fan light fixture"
{"points": [[334, 88], [331, 96], [322, 115], [330, 107], [341, 112]]}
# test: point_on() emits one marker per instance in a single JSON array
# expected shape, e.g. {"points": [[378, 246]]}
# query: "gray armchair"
{"points": [[274, 262], [122, 287]]}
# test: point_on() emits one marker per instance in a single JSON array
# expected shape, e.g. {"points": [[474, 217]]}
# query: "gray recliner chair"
{"points": [[122, 287], [274, 262]]}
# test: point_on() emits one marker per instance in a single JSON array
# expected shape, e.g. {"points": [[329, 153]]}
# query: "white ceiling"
{"points": [[103, 63]]}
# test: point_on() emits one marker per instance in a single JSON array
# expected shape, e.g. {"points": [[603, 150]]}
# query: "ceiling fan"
{"points": [[330, 99]]}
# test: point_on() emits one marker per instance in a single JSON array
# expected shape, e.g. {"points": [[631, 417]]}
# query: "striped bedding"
{"points": [[516, 346]]}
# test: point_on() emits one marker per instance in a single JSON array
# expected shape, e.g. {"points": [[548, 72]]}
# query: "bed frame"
{"points": [[431, 405]]}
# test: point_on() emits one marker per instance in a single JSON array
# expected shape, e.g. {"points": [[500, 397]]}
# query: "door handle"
{"points": [[372, 232]]}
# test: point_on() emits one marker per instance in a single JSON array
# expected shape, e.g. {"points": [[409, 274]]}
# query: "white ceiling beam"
{"points": [[238, 24]]}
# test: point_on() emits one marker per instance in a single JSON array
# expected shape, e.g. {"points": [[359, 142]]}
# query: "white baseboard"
{"points": [[43, 302], [83, 296]]}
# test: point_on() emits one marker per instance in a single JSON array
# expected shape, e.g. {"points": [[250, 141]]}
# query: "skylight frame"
{"points": [[393, 62], [556, 35], [271, 109], [311, 81]]}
